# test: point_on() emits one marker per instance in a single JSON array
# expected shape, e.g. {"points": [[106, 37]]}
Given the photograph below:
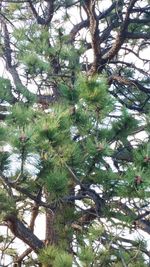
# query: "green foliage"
{"points": [[86, 255], [63, 260], [70, 54], [48, 255], [141, 155], [20, 115], [35, 64], [132, 259], [29, 97], [68, 93], [11, 251], [4, 160], [1, 238], [95, 231], [55, 257], [3, 134], [7, 204], [54, 126], [94, 93], [78, 154], [5, 90], [52, 138], [125, 125], [12, 7], [56, 182]]}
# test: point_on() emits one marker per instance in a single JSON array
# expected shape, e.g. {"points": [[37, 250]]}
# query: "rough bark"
{"points": [[50, 235], [22, 232]]}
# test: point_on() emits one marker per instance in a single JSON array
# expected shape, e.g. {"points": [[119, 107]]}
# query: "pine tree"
{"points": [[74, 132]]}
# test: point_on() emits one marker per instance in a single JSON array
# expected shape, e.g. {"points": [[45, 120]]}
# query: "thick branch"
{"points": [[85, 23], [23, 233], [128, 82], [50, 235], [120, 37], [34, 214], [89, 7]]}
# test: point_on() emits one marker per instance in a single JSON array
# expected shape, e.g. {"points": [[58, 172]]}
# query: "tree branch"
{"points": [[129, 82], [18, 260], [48, 13], [24, 191], [85, 23], [34, 214], [137, 35], [121, 36], [23, 233], [89, 7], [140, 223]]}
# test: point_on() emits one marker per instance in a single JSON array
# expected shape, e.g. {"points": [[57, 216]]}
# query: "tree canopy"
{"points": [[74, 132]]}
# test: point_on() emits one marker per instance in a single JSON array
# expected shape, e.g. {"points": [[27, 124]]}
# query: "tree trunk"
{"points": [[50, 234]]}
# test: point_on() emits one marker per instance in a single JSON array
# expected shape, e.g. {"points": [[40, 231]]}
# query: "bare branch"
{"points": [[18, 260], [85, 23], [34, 214], [48, 12], [121, 36]]}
